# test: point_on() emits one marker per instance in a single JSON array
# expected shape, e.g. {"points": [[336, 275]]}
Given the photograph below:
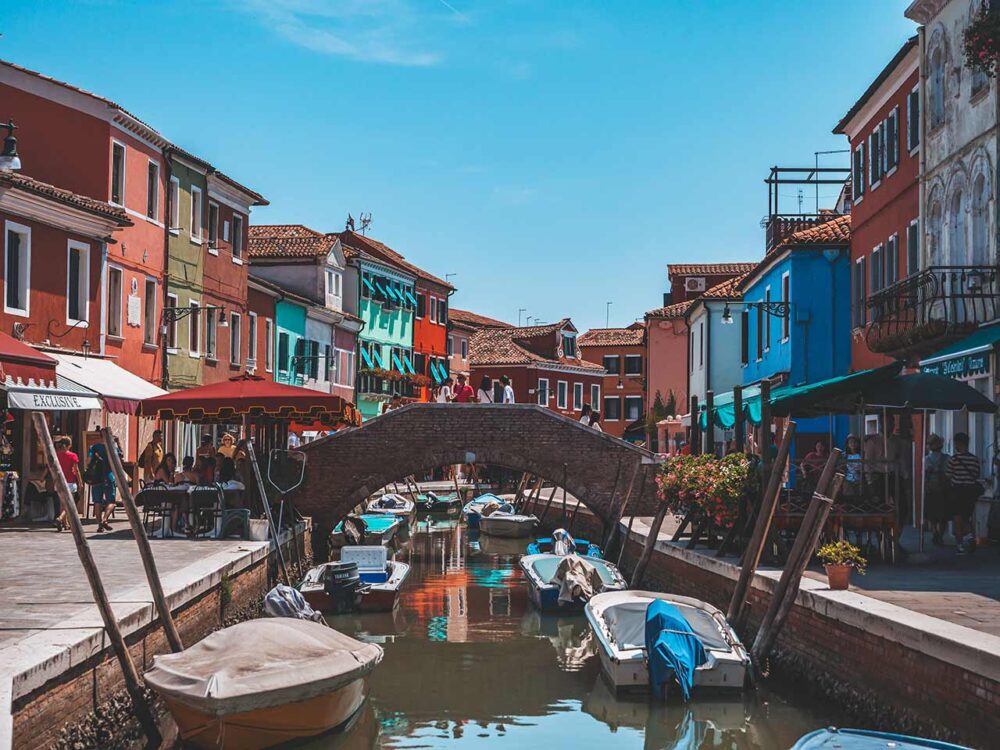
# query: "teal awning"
{"points": [[843, 394], [435, 374], [366, 359], [381, 290], [368, 284], [378, 358], [399, 365], [966, 357], [725, 409], [393, 294], [409, 364], [410, 297]]}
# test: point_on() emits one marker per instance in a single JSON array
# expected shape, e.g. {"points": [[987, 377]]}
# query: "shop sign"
{"points": [[965, 366], [51, 401]]}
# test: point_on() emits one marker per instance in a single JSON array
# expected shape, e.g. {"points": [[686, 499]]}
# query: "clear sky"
{"points": [[555, 155]]}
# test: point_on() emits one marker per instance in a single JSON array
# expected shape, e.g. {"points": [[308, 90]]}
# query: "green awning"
{"points": [[725, 409], [399, 365], [965, 357], [368, 284], [409, 364], [366, 359], [435, 373], [378, 358], [409, 296], [393, 294], [381, 290], [843, 394], [924, 390]]}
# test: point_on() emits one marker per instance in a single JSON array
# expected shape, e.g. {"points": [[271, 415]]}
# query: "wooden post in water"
{"points": [[751, 558], [145, 551], [739, 424], [628, 532], [132, 681], [616, 519], [709, 436], [647, 552], [765, 429], [548, 504]]}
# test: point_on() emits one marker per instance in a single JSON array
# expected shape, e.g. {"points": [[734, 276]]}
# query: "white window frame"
{"points": [[858, 174], [268, 345], [156, 188], [625, 371], [174, 220], [333, 288], [562, 394], [194, 327], [541, 390], [465, 348], [910, 145], [25, 232], [910, 271], [111, 176], [172, 301], [616, 358], [604, 409], [213, 249], [577, 396], [876, 266], [625, 401], [450, 346], [595, 396], [236, 243], [121, 293], [432, 313], [145, 310], [83, 282], [196, 229], [786, 319], [235, 337], [251, 339]]}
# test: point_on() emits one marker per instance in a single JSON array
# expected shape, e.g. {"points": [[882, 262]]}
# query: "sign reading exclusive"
{"points": [[51, 401]]}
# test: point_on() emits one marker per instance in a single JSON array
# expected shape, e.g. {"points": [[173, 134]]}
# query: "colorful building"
{"points": [[622, 354], [667, 356], [543, 363], [462, 324]]}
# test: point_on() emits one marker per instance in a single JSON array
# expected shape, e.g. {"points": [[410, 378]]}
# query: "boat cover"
{"points": [[626, 624], [390, 501], [285, 601], [262, 663], [673, 650], [578, 580], [563, 543]]}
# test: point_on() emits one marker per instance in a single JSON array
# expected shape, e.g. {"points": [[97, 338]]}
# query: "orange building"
{"points": [[622, 354]]}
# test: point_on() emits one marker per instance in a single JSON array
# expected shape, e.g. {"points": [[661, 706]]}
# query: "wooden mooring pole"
{"points": [[751, 558], [133, 682], [145, 551], [628, 531], [616, 518]]}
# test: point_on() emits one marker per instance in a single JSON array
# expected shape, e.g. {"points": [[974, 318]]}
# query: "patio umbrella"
{"points": [[924, 390], [250, 397]]}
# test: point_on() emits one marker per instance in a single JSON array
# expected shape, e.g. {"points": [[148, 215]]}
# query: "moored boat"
{"points": [[264, 682], [430, 502], [864, 739], [619, 620], [376, 528], [393, 504], [381, 577], [561, 543], [473, 509], [333, 587], [552, 588], [505, 522]]}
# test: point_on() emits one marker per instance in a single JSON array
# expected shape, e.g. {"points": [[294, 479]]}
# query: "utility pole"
{"points": [[607, 314]]}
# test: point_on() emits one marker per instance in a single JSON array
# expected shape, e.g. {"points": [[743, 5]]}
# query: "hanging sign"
{"points": [[965, 366]]}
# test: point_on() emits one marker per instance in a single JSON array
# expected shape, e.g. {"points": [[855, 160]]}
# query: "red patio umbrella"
{"points": [[250, 396]]}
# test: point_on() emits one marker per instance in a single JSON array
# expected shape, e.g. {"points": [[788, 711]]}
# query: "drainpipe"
{"points": [[710, 426], [164, 354], [922, 148], [104, 297]]}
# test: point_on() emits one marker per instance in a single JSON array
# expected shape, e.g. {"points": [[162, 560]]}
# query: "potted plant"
{"points": [[839, 558], [981, 40]]}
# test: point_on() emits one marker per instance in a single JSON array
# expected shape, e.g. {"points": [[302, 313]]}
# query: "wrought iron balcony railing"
{"points": [[781, 226], [927, 310]]}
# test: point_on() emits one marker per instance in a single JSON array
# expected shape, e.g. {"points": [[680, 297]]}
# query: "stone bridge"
{"points": [[349, 465]]}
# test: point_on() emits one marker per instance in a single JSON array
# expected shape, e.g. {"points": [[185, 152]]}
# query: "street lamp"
{"points": [[776, 309], [9, 160]]}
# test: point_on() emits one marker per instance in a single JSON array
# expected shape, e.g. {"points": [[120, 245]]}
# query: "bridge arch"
{"points": [[594, 467]]}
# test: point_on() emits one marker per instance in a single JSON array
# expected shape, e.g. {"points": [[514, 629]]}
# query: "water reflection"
{"points": [[469, 661]]}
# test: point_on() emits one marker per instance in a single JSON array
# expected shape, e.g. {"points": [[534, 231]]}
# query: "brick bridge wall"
{"points": [[349, 465]]}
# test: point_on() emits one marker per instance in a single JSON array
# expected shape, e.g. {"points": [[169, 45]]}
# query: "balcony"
{"points": [[923, 312], [781, 226], [370, 385]]}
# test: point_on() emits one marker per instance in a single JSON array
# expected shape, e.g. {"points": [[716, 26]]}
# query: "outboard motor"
{"points": [[563, 543], [431, 500], [342, 584], [355, 529]]}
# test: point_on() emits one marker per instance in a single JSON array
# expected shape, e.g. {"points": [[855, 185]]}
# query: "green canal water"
{"points": [[470, 663]]}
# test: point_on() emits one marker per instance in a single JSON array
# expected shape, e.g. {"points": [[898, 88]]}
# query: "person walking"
{"points": [[443, 394], [152, 456], [485, 393], [463, 391], [936, 488], [103, 486], [69, 464], [963, 470], [508, 390]]}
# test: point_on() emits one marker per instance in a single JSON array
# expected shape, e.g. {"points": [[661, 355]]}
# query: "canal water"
{"points": [[470, 663]]}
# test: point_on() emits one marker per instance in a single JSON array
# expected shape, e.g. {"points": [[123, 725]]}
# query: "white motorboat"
{"points": [[506, 523], [618, 619], [393, 504], [381, 577], [545, 584]]}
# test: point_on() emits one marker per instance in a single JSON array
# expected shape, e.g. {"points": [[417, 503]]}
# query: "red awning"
{"points": [[22, 363], [252, 397]]}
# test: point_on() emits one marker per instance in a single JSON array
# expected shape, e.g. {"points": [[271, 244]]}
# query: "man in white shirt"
{"points": [[508, 392]]}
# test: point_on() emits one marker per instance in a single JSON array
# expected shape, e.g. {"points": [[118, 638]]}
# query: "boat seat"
{"points": [[374, 576], [627, 625]]}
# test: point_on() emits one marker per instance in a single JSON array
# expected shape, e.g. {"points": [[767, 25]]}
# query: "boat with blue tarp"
{"points": [[864, 739], [564, 583], [562, 543]]}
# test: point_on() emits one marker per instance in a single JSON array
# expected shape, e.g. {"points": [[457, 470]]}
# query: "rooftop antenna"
{"points": [[800, 201], [366, 221], [349, 224], [818, 154], [519, 311], [607, 314]]}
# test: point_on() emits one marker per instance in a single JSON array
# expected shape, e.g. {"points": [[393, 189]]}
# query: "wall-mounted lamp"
{"points": [[9, 160]]}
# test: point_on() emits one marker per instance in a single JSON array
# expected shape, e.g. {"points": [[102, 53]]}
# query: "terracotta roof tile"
{"points": [[676, 310], [728, 289], [509, 346], [475, 320], [708, 269], [630, 336], [66, 197], [382, 251], [836, 231], [288, 241]]}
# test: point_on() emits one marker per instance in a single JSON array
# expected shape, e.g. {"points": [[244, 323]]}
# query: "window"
{"points": [[433, 309], [328, 358], [860, 294], [235, 334], [443, 311], [858, 176], [152, 190], [17, 267], [913, 247], [213, 226], [767, 319], [612, 363], [118, 173], [892, 140], [465, 348], [701, 344], [450, 346], [333, 284], [913, 119], [577, 396], [745, 337], [633, 364], [194, 330], [174, 198], [268, 345], [760, 331], [957, 251], [114, 315], [980, 220], [196, 214], [237, 242], [935, 84], [569, 345], [891, 260], [876, 270], [612, 408], [77, 282], [875, 156], [172, 328], [211, 331], [421, 305], [251, 339], [149, 313], [562, 394], [283, 352], [786, 290], [595, 396], [633, 408], [543, 392]]}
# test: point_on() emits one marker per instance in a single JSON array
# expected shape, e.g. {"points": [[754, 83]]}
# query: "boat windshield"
{"points": [[626, 624], [545, 568]]}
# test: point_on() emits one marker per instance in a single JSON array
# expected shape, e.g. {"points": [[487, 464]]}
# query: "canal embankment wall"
{"points": [[60, 677]]}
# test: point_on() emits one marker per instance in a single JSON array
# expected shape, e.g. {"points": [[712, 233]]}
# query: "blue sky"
{"points": [[555, 155]]}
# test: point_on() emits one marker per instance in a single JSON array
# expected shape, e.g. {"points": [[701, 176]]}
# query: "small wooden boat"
{"points": [[264, 682], [430, 502], [505, 522], [619, 622], [379, 528], [381, 577], [473, 509], [864, 739], [394, 504], [560, 542], [544, 584], [333, 587]]}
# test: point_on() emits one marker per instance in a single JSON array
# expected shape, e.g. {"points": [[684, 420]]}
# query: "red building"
{"points": [[689, 281], [883, 128], [462, 324], [261, 298], [622, 354], [543, 363]]}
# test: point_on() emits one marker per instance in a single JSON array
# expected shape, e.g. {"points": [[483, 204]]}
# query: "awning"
{"points": [[64, 395], [368, 284], [378, 358], [840, 395], [119, 389], [393, 294], [381, 290], [924, 390], [399, 365], [409, 296], [968, 356], [366, 359], [409, 364], [435, 374], [21, 363]]}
